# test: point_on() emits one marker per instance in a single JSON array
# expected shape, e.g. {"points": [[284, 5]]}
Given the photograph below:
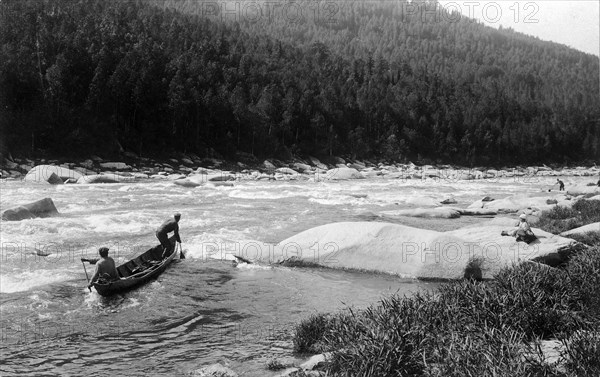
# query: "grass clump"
{"points": [[560, 219], [468, 328], [582, 353], [309, 334]]}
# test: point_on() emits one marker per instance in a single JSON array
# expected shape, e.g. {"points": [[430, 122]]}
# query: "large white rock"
{"points": [[115, 165], [186, 183], [496, 251], [343, 174], [214, 177], [594, 227], [286, 171], [438, 212], [376, 246], [41, 208], [43, 173], [408, 251], [105, 178], [583, 190]]}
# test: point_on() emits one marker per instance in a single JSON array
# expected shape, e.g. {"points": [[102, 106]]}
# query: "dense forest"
{"points": [[364, 79]]}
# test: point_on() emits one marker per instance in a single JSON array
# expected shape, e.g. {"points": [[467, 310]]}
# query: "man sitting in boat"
{"points": [[162, 233], [105, 267]]}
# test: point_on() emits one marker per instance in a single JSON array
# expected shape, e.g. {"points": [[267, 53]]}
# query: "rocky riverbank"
{"points": [[131, 167]]}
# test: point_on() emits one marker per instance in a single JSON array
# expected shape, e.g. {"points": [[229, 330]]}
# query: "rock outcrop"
{"points": [[41, 208]]}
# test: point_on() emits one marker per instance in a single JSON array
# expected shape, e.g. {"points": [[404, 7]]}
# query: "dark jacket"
{"points": [[169, 226]]}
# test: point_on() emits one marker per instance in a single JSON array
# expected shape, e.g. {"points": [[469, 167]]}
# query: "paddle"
{"points": [[181, 254], [86, 275]]}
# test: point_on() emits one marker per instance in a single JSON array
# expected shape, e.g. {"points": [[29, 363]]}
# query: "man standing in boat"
{"points": [[162, 233], [105, 267]]}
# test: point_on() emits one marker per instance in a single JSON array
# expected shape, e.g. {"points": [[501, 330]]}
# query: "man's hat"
{"points": [[523, 216], [177, 215], [103, 249]]}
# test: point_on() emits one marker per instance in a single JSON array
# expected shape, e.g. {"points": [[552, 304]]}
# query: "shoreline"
{"points": [[183, 166]]}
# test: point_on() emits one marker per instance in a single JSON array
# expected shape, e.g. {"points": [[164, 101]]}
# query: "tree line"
{"points": [[158, 77]]}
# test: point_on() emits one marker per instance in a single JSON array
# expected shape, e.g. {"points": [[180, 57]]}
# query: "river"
{"points": [[203, 309]]}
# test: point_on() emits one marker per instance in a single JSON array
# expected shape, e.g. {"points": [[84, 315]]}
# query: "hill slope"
{"points": [[372, 79]]}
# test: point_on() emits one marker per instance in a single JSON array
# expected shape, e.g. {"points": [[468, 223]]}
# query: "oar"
{"points": [[181, 254], [86, 275]]}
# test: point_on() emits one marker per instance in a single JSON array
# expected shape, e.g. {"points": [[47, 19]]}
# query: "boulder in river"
{"points": [[41, 208], [107, 178], [408, 251], [343, 174], [50, 173], [377, 246], [438, 212]]}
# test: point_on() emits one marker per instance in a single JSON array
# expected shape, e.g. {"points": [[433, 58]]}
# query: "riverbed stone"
{"points": [[41, 208], [115, 165], [214, 370], [343, 174], [43, 173]]}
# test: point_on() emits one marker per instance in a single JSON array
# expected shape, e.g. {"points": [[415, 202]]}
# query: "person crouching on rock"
{"points": [[105, 267], [522, 232], [162, 233]]}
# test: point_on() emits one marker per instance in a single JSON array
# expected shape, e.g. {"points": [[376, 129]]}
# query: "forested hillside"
{"points": [[383, 79]]}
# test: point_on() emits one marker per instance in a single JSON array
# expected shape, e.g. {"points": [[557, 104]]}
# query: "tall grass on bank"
{"points": [[560, 219], [469, 328], [583, 354]]}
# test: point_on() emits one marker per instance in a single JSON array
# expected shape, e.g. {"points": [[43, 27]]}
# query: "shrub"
{"points": [[560, 219]]}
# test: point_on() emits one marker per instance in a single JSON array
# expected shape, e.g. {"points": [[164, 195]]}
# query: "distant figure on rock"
{"points": [[105, 267], [162, 233], [522, 232], [561, 185]]}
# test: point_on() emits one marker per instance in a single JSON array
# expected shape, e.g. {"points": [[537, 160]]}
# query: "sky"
{"points": [[575, 23]]}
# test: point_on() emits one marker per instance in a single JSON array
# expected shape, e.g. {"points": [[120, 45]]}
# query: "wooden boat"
{"points": [[139, 270]]}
